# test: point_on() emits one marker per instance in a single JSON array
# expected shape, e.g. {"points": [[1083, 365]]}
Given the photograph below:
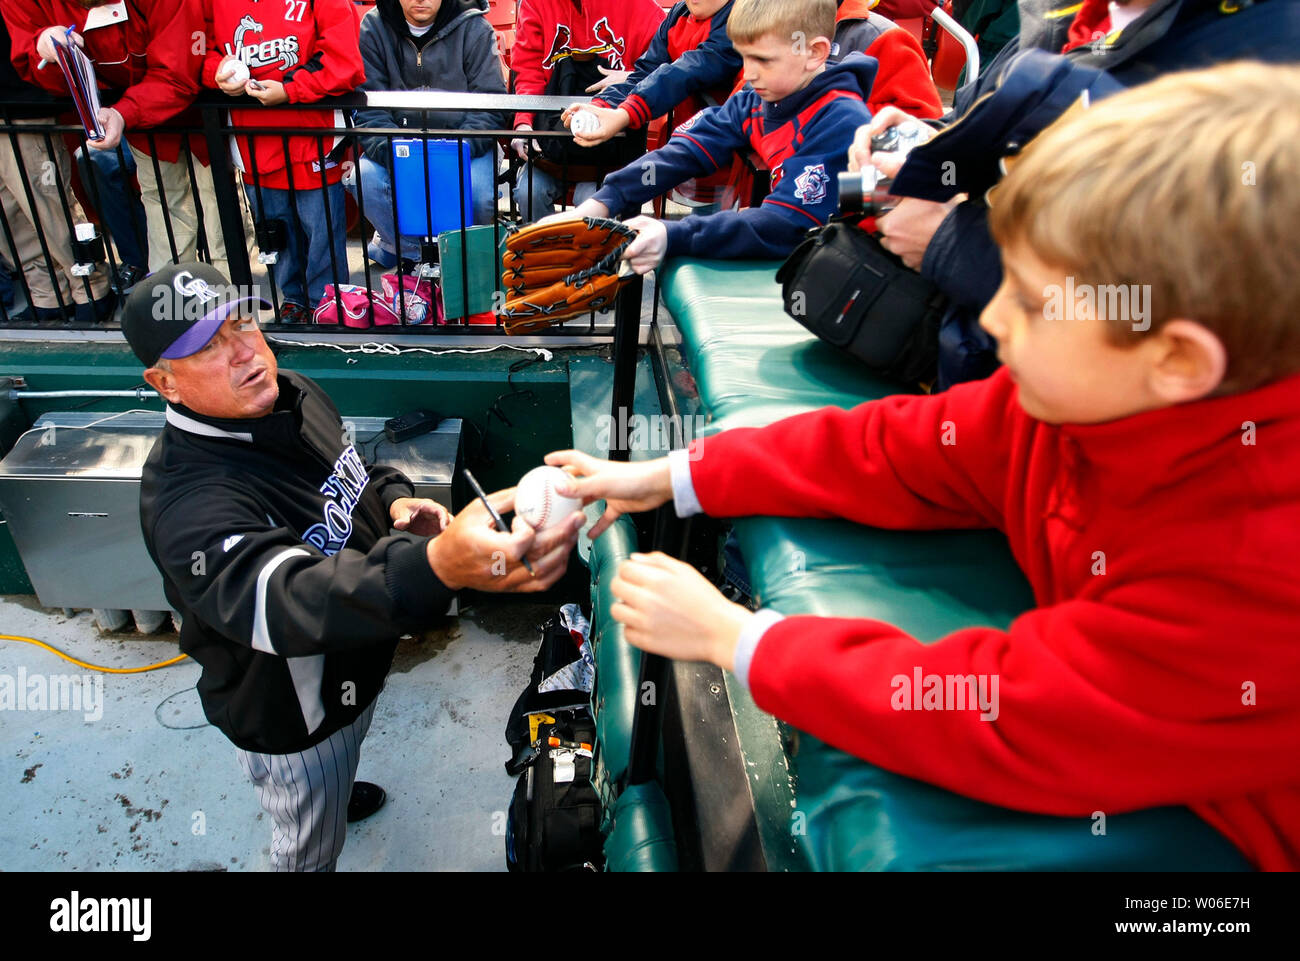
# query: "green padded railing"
{"points": [[752, 364]]}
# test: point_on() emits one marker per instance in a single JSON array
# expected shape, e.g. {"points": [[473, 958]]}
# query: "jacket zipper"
{"points": [[419, 54]]}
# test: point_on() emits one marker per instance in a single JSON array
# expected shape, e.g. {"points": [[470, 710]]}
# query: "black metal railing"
{"points": [[239, 224]]}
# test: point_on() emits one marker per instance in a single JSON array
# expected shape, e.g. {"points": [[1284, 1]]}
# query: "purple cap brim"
{"points": [[205, 328]]}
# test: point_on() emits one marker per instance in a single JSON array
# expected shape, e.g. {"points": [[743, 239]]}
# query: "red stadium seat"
{"points": [[914, 25], [502, 14]]}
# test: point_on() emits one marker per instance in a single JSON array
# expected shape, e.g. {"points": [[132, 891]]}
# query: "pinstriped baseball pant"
{"points": [[306, 795]]}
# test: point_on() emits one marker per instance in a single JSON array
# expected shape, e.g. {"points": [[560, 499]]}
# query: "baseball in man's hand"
{"points": [[537, 502]]}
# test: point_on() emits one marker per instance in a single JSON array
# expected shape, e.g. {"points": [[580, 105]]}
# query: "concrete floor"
{"points": [[151, 787]]}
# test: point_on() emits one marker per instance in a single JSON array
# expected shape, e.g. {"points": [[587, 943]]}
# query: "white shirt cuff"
{"points": [[747, 643], [684, 500]]}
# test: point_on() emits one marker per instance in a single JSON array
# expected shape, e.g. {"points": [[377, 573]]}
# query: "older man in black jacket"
{"points": [[436, 45], [275, 545]]}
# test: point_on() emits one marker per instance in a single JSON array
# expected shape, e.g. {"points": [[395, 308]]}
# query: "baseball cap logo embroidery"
{"points": [[187, 285]]}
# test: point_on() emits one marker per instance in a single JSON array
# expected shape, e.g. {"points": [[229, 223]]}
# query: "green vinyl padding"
{"points": [[641, 838], [753, 365], [618, 664]]}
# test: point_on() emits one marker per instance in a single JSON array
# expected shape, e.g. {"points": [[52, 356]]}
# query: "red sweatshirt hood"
{"points": [[854, 10], [1092, 21]]}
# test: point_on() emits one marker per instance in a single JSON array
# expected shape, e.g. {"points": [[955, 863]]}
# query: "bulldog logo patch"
{"points": [[810, 186]]}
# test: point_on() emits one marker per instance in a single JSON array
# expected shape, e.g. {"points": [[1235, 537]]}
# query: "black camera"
{"points": [[867, 192]]}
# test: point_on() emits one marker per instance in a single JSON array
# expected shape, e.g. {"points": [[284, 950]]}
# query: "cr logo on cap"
{"points": [[196, 287]]}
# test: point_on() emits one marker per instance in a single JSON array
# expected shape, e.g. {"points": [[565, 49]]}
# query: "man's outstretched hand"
{"points": [[419, 515], [472, 553]]}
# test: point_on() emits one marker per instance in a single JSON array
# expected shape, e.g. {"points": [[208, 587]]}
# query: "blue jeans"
{"points": [[119, 201], [304, 267], [377, 191], [538, 198], [6, 287]]}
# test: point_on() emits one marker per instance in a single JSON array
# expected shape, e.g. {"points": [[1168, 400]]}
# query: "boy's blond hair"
{"points": [[751, 20], [1189, 184]]}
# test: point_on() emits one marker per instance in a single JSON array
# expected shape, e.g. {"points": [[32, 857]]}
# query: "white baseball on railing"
{"points": [[537, 502]]}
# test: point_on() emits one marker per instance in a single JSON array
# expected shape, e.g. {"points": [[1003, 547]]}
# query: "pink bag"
{"points": [[352, 307], [419, 297]]}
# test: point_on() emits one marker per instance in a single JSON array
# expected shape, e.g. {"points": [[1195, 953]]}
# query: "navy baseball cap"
{"points": [[174, 312]]}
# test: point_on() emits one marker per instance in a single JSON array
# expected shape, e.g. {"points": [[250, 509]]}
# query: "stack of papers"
{"points": [[80, 74]]}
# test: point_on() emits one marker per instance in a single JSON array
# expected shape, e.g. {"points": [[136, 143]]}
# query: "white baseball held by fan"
{"points": [[537, 502], [584, 122], [233, 70]]}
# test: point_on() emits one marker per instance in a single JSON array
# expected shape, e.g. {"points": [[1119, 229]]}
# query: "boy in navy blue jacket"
{"points": [[796, 110], [689, 56]]}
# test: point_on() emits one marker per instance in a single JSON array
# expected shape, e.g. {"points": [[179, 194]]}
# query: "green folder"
{"points": [[482, 270]]}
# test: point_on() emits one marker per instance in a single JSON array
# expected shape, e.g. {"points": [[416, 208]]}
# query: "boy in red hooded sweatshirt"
{"points": [[291, 52], [1140, 452]]}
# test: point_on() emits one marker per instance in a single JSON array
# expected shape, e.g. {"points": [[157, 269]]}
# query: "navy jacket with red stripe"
{"points": [[686, 58], [804, 141]]}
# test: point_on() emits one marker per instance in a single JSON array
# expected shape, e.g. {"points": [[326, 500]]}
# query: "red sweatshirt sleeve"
{"points": [[526, 58], [173, 59], [901, 462], [212, 60], [335, 66], [1113, 703], [25, 22], [903, 78]]}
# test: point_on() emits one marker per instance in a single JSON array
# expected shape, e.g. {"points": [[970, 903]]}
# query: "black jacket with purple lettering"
{"points": [[273, 539]]}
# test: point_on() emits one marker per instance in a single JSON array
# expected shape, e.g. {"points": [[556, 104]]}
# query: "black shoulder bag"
{"points": [[851, 292]]}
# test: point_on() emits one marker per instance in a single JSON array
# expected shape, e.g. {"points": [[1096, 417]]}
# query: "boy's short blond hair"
{"points": [[1189, 184], [751, 20]]}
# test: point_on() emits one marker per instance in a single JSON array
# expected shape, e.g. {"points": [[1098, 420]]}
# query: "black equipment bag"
{"points": [[570, 78], [851, 292], [555, 652], [555, 815]]}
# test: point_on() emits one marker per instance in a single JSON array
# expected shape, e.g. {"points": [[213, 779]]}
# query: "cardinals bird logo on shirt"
{"points": [[810, 186], [614, 47]]}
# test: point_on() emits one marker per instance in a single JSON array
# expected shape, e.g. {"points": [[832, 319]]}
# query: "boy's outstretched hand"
{"points": [[667, 607], [651, 245], [612, 123], [626, 488]]}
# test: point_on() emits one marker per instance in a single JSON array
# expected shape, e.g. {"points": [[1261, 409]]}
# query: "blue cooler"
{"points": [[444, 208]]}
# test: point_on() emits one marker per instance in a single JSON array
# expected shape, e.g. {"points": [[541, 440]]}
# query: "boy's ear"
{"points": [[819, 51], [1191, 362], [163, 382]]}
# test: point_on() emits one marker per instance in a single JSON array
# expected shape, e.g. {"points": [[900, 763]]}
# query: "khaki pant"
{"points": [[175, 202], [46, 172]]}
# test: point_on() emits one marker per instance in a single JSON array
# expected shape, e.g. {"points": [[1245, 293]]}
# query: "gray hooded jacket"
{"points": [[462, 56]]}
